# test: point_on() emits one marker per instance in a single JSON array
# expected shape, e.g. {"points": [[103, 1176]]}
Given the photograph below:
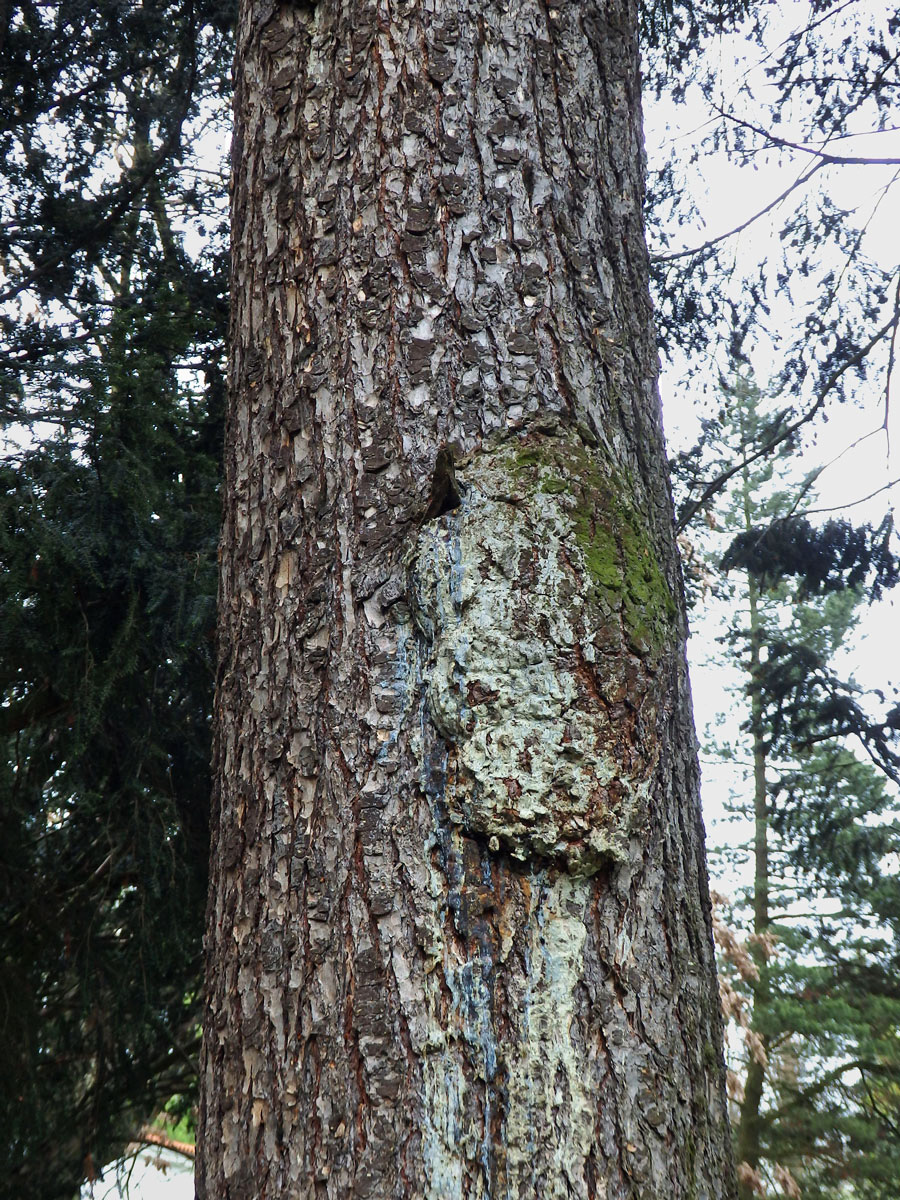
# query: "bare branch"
{"points": [[798, 182], [824, 158], [153, 1137], [853, 503], [892, 358]]}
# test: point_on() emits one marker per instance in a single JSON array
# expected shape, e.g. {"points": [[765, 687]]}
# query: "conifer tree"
{"points": [[110, 370], [459, 941], [815, 1086], [111, 393]]}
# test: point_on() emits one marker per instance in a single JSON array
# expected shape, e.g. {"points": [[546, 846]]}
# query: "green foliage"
{"points": [[107, 620], [826, 1004], [112, 391], [834, 556]]}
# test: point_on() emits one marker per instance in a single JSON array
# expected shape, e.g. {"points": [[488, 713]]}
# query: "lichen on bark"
{"points": [[540, 1067], [538, 619], [438, 241]]}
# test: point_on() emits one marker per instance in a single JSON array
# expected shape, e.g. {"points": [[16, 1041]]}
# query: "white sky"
{"points": [[727, 193], [149, 1175]]}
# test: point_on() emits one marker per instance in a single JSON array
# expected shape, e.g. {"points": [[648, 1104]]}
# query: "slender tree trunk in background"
{"points": [[749, 1127], [459, 937]]}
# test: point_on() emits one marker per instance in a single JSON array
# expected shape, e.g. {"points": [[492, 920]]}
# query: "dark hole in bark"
{"points": [[451, 499], [445, 492]]}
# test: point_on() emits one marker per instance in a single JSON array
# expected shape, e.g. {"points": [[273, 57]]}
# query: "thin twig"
{"points": [[825, 159], [890, 372], [803, 178], [852, 503], [152, 1137]]}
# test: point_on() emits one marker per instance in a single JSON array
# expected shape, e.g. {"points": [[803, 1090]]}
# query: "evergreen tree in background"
{"points": [[112, 401], [816, 1090], [112, 322]]}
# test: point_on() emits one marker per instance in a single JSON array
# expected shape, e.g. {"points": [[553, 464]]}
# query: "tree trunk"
{"points": [[459, 935], [748, 1133]]}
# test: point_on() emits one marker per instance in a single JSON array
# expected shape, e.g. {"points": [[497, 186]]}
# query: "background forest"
{"points": [[113, 307]]}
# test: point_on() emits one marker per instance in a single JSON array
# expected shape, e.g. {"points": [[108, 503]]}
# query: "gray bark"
{"points": [[459, 936]]}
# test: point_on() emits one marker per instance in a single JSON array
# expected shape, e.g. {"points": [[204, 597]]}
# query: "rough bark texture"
{"points": [[459, 939]]}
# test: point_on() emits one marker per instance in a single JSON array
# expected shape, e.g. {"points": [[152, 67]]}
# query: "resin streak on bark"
{"points": [[459, 937]]}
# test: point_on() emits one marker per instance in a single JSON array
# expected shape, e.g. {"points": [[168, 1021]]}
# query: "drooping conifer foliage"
{"points": [[817, 1085], [113, 320], [802, 283], [826, 558]]}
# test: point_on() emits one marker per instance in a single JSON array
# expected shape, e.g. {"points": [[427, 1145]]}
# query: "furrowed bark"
{"points": [[459, 939]]}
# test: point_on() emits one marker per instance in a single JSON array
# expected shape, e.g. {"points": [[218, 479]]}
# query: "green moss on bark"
{"points": [[618, 552]]}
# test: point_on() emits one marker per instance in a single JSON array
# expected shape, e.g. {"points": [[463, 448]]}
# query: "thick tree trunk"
{"points": [[459, 939]]}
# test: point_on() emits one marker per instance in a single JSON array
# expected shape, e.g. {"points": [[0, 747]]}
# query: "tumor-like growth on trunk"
{"points": [[540, 611]]}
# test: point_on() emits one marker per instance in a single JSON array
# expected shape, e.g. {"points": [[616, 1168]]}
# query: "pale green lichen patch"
{"points": [[533, 639], [550, 1076], [534, 1084]]}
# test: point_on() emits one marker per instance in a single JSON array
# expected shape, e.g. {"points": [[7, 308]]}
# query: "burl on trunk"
{"points": [[459, 940]]}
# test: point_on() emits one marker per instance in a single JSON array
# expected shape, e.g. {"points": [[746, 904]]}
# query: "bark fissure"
{"points": [[459, 939]]}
